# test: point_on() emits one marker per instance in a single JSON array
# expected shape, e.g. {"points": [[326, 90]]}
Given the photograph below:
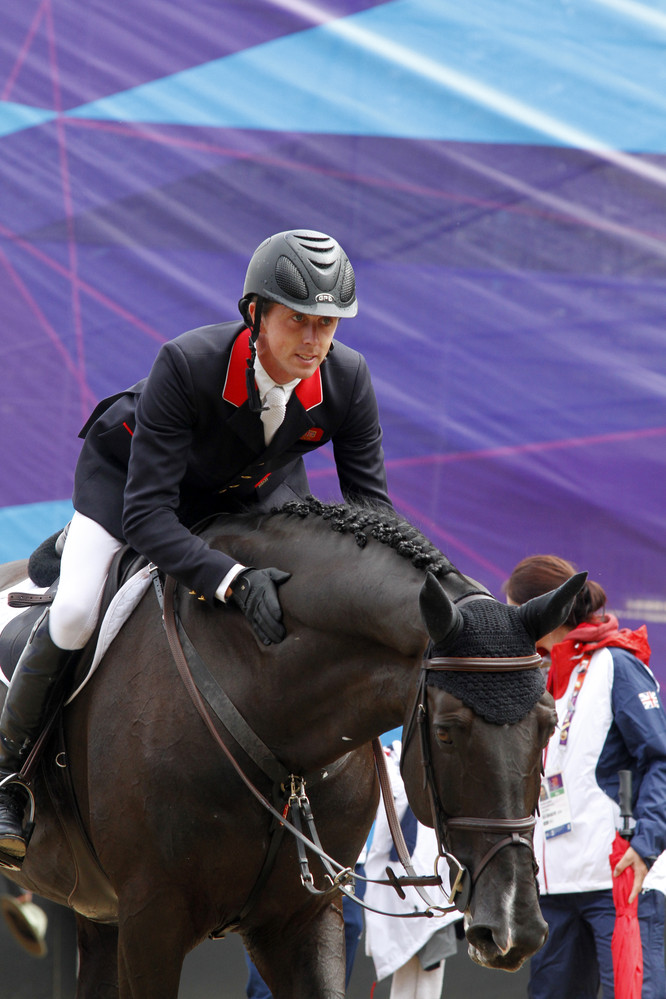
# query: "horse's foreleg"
{"points": [[98, 960], [152, 943], [305, 957]]}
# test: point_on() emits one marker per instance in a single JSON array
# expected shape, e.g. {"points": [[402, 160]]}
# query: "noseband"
{"points": [[511, 830]]}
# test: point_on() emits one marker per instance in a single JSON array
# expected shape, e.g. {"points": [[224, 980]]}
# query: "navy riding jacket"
{"points": [[183, 445]]}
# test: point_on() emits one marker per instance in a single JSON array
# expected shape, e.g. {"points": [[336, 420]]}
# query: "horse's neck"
{"points": [[355, 639], [336, 694], [372, 594], [359, 642]]}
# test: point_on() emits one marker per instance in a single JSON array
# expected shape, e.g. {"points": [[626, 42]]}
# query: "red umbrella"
{"points": [[626, 943]]}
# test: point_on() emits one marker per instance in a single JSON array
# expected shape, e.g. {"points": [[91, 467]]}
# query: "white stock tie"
{"points": [[274, 415]]}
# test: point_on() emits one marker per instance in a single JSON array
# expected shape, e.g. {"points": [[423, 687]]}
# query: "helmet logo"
{"points": [[323, 297]]}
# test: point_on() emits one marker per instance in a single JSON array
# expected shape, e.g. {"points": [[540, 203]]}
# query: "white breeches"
{"points": [[85, 563], [412, 982]]}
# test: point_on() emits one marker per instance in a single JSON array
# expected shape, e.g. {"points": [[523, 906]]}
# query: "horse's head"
{"points": [[472, 758]]}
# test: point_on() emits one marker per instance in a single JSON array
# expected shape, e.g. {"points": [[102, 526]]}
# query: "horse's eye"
{"points": [[444, 735]]}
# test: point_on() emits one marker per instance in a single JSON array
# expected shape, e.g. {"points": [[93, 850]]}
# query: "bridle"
{"points": [[511, 830]]}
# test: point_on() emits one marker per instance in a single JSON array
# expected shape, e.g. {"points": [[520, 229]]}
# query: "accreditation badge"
{"points": [[554, 806]]}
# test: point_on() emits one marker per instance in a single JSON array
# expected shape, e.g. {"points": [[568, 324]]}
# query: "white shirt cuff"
{"points": [[228, 580]]}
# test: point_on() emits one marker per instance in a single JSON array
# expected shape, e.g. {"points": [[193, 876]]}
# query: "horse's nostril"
{"points": [[481, 937]]}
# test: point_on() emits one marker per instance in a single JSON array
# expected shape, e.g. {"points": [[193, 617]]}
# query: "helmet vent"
{"points": [[348, 285], [322, 253], [290, 279]]}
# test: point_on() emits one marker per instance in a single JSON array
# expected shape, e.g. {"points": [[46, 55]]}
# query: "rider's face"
{"points": [[293, 344]]}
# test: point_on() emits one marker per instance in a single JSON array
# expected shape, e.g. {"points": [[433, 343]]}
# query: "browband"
{"points": [[483, 665]]}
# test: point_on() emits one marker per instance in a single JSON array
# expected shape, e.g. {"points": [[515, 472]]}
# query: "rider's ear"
{"points": [[545, 613], [442, 618], [246, 308]]}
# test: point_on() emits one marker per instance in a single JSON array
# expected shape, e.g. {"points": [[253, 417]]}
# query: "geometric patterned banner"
{"points": [[496, 175]]}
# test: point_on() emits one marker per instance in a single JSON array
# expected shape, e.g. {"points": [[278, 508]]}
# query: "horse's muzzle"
{"points": [[505, 949]]}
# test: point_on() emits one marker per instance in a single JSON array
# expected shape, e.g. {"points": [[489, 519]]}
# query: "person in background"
{"points": [[412, 951], [25, 920], [610, 718]]}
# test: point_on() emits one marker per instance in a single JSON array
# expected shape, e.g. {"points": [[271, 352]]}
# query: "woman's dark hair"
{"points": [[540, 573]]}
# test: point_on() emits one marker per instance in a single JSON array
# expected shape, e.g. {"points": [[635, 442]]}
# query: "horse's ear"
{"points": [[442, 618], [544, 614]]}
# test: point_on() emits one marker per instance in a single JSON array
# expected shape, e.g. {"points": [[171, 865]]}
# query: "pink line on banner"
{"points": [[413, 513], [11, 79], [67, 197], [534, 446], [142, 131], [499, 452], [99, 296], [510, 449], [435, 531], [86, 395]]}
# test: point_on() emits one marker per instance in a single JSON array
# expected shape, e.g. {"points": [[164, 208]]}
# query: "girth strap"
{"points": [[18, 599]]}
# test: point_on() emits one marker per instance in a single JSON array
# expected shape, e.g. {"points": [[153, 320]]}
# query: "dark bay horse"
{"points": [[178, 837]]}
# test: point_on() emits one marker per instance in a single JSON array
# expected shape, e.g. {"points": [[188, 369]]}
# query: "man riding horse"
{"points": [[202, 435]]}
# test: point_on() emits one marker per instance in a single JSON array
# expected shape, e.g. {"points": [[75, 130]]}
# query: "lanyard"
{"points": [[580, 680]]}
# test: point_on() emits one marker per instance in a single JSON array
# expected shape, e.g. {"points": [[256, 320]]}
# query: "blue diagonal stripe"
{"points": [[14, 117], [581, 73]]}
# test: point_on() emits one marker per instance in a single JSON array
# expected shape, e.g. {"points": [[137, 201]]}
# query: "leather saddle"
{"points": [[15, 634]]}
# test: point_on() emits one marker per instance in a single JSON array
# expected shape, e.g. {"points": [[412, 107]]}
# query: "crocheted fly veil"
{"points": [[494, 630], [484, 628]]}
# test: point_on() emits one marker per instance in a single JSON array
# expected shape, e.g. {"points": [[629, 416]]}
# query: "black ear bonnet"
{"points": [[495, 630]]}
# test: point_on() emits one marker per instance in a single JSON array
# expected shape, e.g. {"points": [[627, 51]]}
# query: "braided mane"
{"points": [[365, 520], [491, 629]]}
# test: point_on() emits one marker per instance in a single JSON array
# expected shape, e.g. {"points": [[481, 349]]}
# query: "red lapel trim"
{"points": [[235, 389], [310, 391]]}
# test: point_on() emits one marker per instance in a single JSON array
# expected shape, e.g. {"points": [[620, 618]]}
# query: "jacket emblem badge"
{"points": [[313, 434]]}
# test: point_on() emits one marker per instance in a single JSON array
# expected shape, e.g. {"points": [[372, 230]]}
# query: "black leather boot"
{"points": [[12, 801], [21, 722]]}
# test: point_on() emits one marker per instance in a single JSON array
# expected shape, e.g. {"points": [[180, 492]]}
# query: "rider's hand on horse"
{"points": [[255, 592]]}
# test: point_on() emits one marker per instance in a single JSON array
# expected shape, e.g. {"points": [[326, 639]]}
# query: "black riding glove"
{"points": [[255, 592]]}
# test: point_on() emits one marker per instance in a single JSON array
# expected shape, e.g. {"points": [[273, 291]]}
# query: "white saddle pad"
{"points": [[120, 608]]}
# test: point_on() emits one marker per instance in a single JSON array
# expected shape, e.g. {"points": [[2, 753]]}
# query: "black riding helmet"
{"points": [[304, 270]]}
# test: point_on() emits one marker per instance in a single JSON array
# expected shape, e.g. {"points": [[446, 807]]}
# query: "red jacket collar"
{"points": [[309, 391]]}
